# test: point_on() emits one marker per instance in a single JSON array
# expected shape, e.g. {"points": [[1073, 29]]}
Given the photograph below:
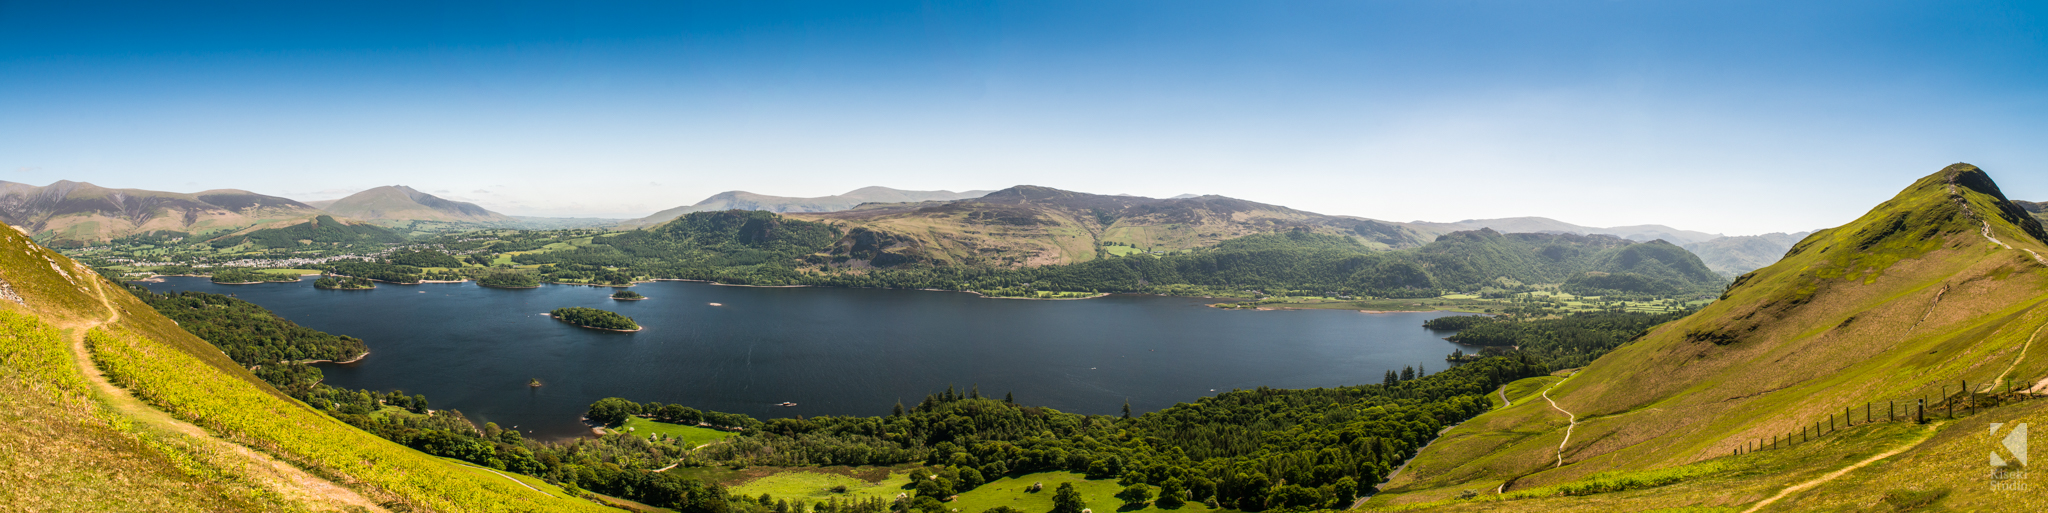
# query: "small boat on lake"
{"points": [[718, 304], [782, 404]]}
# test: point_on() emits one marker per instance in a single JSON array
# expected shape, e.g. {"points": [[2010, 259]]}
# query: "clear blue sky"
{"points": [[1723, 116]]}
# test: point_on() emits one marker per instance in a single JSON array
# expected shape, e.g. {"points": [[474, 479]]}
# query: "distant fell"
{"points": [[70, 213], [743, 200], [1641, 233], [1030, 225], [398, 204], [1744, 253]]}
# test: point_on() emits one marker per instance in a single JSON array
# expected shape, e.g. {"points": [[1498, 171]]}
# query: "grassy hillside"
{"points": [[73, 214], [112, 407], [1944, 284]]}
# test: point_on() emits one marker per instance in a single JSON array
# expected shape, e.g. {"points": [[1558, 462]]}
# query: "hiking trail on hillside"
{"points": [[1839, 473], [306, 487]]}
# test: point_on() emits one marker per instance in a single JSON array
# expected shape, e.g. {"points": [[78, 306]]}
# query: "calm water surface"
{"points": [[831, 351]]}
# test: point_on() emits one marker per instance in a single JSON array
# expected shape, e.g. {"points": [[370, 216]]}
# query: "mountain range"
{"points": [[743, 200], [1025, 225], [73, 212]]}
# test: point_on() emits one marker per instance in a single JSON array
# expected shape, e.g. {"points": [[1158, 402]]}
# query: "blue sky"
{"points": [[1733, 117]]}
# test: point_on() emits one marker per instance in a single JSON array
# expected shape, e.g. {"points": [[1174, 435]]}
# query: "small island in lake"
{"points": [[627, 295], [343, 283], [594, 319], [509, 280], [535, 383]]}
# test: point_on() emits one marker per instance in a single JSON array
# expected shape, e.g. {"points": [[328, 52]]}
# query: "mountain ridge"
{"points": [[1942, 284], [67, 212], [743, 200]]}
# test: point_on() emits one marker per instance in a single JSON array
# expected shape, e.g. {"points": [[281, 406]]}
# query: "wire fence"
{"points": [[1941, 400]]}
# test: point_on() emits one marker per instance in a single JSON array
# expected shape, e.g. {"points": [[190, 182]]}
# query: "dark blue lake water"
{"points": [[831, 351]]}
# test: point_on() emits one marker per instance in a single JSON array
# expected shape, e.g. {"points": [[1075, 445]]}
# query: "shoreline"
{"points": [[559, 318], [358, 358]]}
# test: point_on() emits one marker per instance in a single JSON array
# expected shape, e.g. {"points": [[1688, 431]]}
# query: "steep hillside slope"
{"points": [[1945, 284], [1027, 226], [743, 200], [2038, 209], [398, 204], [1741, 254], [111, 407], [1642, 233], [69, 213]]}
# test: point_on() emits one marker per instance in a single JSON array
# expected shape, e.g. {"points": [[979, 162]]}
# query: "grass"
{"points": [[815, 484], [1100, 495], [690, 435]]}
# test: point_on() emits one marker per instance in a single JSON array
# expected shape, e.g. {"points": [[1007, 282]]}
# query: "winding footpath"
{"points": [[1568, 428]]}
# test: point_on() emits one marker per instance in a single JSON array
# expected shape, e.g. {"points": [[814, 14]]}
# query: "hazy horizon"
{"points": [[1726, 117]]}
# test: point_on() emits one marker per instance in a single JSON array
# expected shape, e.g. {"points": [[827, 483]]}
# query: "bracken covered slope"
{"points": [[1945, 284], [111, 407]]}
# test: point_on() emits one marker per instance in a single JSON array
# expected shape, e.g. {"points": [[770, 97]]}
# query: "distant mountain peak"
{"points": [[399, 203]]}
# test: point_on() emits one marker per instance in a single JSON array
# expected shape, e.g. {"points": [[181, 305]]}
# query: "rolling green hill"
{"points": [[109, 406], [1945, 284], [320, 231]]}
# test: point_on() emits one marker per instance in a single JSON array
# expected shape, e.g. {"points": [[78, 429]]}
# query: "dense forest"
{"points": [[343, 283], [1246, 449], [509, 280], [422, 258], [247, 275], [1573, 340], [249, 334], [595, 318]]}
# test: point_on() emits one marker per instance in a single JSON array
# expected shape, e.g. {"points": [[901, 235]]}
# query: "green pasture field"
{"points": [[692, 435]]}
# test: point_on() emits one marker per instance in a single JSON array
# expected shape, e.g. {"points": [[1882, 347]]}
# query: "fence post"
{"points": [[1920, 411], [1866, 413], [1848, 417], [1831, 422], [1891, 410]]}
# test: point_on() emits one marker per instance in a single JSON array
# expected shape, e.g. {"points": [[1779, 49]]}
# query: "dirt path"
{"points": [[1839, 473], [2000, 382], [1568, 428], [1504, 402], [501, 474], [1987, 225], [304, 487]]}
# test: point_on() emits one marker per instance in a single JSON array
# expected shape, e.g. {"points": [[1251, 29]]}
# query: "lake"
{"points": [[831, 351]]}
